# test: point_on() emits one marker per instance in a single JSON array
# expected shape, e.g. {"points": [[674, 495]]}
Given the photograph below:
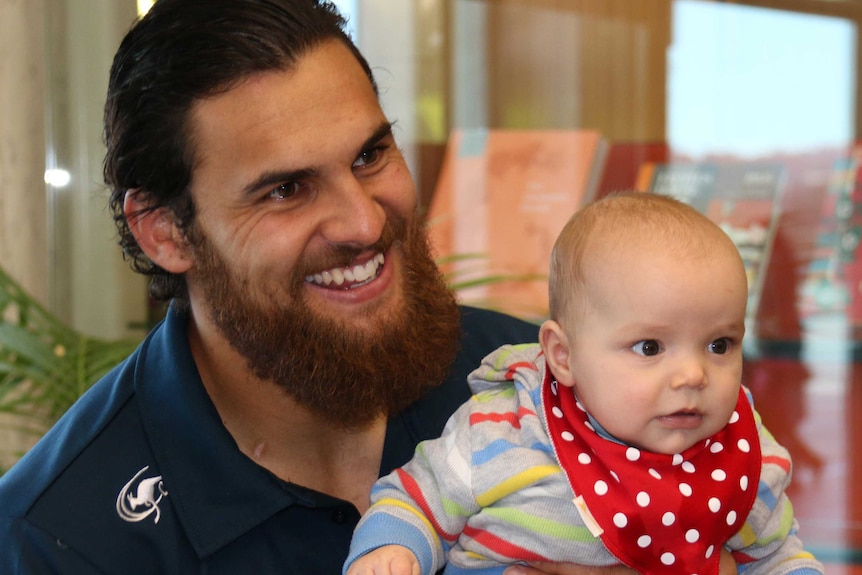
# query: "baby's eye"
{"points": [[719, 346], [647, 347]]}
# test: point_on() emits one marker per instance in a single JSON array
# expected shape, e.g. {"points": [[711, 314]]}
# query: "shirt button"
{"points": [[339, 516]]}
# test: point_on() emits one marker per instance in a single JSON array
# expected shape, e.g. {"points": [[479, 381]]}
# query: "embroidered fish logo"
{"points": [[136, 504]]}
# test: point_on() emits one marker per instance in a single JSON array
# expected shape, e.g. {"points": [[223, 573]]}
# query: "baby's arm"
{"points": [[388, 560], [424, 505]]}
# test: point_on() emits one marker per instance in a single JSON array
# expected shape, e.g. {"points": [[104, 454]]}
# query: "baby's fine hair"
{"points": [[623, 219]]}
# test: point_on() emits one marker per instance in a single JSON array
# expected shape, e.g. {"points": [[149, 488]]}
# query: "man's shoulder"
{"points": [[66, 443], [483, 331], [101, 425], [482, 324], [65, 502]]}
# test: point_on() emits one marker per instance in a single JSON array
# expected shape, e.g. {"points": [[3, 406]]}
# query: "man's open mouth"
{"points": [[348, 277]]}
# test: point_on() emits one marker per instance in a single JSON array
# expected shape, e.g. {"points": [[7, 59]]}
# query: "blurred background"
{"points": [[697, 83]]}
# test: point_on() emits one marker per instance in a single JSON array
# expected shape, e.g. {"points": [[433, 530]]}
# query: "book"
{"points": [[742, 198], [781, 319], [833, 275], [623, 162], [500, 201]]}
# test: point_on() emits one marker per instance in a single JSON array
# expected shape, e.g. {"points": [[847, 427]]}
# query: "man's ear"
{"points": [[156, 233], [555, 344]]}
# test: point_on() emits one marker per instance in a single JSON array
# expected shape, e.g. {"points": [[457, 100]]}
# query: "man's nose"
{"points": [[354, 215]]}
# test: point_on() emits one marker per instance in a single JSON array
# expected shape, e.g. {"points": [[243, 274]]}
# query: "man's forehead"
{"points": [[325, 101], [315, 73]]}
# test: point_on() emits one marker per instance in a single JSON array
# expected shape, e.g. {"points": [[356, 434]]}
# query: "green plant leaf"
{"points": [[45, 365]]}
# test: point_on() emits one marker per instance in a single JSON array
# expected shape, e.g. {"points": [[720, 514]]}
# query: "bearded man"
{"points": [[310, 341]]}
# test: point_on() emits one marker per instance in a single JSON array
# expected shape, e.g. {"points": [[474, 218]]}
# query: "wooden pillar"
{"points": [[23, 213]]}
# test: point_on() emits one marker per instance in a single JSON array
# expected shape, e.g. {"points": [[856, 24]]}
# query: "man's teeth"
{"points": [[356, 274]]}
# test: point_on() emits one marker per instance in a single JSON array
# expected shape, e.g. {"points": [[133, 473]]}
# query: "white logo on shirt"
{"points": [[137, 503]]}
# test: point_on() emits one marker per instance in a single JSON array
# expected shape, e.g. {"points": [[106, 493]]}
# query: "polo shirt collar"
{"points": [[218, 493]]}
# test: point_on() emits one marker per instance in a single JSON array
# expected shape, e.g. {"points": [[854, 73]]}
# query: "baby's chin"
{"points": [[677, 441]]}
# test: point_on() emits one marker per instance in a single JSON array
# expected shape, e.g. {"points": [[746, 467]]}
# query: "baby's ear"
{"points": [[556, 345], [156, 233]]}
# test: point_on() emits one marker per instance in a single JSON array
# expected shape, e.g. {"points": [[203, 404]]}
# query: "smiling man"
{"points": [[311, 342]]}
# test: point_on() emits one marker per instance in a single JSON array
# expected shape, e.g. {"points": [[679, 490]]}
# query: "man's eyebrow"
{"points": [[272, 178], [269, 179], [384, 130]]}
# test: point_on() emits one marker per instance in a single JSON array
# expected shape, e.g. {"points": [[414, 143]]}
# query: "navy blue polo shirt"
{"points": [[140, 476]]}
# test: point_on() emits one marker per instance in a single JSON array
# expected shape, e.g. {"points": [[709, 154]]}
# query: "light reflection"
{"points": [[144, 6], [57, 178]]}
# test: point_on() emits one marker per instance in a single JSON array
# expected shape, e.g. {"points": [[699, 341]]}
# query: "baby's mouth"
{"points": [[682, 419]]}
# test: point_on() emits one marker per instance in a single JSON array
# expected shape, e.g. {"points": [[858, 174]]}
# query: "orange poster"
{"points": [[501, 200]]}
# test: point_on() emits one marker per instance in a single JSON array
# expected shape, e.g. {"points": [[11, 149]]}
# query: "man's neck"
{"points": [[282, 436]]}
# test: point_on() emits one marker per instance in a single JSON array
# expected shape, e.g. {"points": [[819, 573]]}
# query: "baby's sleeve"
{"points": [[425, 504]]}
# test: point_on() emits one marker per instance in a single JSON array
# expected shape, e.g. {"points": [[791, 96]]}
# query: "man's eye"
{"points": [[284, 191], [368, 157], [719, 346], [647, 347]]}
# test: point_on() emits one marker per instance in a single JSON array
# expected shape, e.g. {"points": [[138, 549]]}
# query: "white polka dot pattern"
{"points": [[659, 513], [667, 558], [692, 535], [601, 488], [714, 504]]}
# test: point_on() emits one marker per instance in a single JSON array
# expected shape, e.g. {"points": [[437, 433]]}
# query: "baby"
{"points": [[624, 437]]}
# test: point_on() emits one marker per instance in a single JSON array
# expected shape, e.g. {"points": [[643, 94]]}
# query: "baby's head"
{"points": [[647, 301]]}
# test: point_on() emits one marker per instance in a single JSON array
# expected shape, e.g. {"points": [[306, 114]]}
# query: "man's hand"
{"points": [[727, 566]]}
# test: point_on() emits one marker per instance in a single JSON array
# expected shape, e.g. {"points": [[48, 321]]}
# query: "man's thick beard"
{"points": [[346, 377]]}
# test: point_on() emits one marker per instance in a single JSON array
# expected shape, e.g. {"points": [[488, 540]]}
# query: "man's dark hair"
{"points": [[180, 52]]}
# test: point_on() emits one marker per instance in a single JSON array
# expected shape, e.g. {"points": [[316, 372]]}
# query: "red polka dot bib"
{"points": [[657, 513]]}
